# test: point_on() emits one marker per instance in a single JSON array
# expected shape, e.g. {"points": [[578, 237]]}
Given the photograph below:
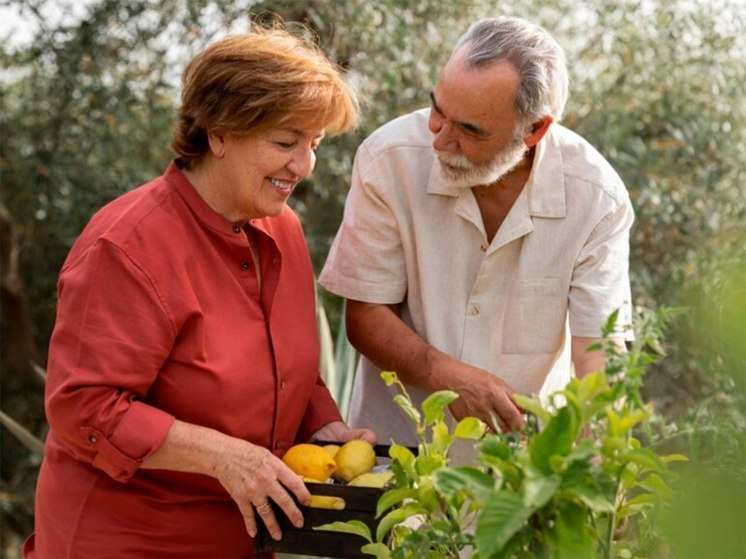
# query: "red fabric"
{"points": [[160, 318]]}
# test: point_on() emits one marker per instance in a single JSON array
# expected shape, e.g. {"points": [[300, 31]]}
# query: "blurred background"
{"points": [[88, 95]]}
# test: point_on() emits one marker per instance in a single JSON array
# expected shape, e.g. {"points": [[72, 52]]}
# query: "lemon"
{"points": [[331, 449], [310, 460], [371, 479], [354, 458], [326, 502]]}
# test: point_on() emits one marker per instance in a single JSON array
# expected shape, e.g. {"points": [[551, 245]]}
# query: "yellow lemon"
{"points": [[354, 458], [331, 449], [310, 460], [326, 502], [371, 479]]}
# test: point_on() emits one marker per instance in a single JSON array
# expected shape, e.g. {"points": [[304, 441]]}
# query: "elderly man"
{"points": [[483, 245]]}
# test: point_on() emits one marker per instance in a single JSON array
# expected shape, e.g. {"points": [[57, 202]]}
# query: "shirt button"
{"points": [[244, 264], [475, 310], [277, 444], [282, 384], [93, 439], [484, 247], [236, 228]]}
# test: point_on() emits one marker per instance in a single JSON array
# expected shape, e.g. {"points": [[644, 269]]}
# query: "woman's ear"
{"points": [[216, 141], [537, 131]]}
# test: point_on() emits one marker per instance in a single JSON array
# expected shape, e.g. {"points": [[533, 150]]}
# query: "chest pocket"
{"points": [[535, 317]]}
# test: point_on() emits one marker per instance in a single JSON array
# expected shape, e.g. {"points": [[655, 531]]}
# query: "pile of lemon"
{"points": [[351, 463]]}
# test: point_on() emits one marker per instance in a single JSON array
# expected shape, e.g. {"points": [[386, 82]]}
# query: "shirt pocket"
{"points": [[535, 317]]}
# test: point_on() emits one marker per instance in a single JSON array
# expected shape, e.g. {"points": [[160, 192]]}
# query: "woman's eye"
{"points": [[285, 145]]}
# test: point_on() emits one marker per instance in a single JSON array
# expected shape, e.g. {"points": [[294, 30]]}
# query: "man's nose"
{"points": [[445, 139]]}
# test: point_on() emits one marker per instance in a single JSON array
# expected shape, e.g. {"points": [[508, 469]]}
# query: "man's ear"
{"points": [[537, 131], [216, 141]]}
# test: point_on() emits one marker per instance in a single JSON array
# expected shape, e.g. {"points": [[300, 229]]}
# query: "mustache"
{"points": [[454, 160]]}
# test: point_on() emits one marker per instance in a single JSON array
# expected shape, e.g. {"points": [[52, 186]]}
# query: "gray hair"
{"points": [[535, 54]]}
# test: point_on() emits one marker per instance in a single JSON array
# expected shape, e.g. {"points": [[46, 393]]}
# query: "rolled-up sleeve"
{"points": [[112, 334]]}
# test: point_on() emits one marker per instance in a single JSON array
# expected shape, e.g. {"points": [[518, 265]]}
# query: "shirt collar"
{"points": [[546, 183], [202, 211]]}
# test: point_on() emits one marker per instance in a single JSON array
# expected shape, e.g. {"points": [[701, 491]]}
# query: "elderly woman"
{"points": [[184, 360]]}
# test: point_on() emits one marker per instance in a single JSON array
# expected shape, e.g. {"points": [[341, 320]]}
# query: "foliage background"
{"points": [[657, 85]]}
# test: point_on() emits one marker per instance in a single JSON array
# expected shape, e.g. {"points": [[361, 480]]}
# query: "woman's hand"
{"points": [[252, 476], [339, 431]]}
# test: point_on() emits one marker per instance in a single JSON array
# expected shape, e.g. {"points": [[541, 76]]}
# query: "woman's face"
{"points": [[259, 172]]}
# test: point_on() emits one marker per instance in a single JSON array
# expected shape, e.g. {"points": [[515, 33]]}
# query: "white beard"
{"points": [[457, 171]]}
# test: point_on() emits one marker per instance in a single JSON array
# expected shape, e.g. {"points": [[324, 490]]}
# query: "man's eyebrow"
{"points": [[472, 129]]}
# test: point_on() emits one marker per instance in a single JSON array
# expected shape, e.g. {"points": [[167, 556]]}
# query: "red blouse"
{"points": [[160, 317]]}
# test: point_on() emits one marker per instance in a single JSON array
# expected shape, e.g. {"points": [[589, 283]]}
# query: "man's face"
{"points": [[478, 136]]}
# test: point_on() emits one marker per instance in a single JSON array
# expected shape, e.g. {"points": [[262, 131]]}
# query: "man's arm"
{"points": [[376, 331], [586, 362]]}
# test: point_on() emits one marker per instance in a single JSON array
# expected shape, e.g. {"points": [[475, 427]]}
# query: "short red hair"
{"points": [[247, 83]]}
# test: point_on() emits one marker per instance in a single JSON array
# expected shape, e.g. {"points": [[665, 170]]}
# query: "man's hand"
{"points": [[484, 396]]}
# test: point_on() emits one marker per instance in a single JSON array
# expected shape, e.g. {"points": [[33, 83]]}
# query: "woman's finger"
{"points": [[264, 510], [286, 503], [247, 511]]}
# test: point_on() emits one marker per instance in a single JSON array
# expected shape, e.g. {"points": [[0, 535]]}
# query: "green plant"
{"points": [[577, 482]]}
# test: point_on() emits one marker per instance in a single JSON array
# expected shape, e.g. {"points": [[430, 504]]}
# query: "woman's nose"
{"points": [[303, 162]]}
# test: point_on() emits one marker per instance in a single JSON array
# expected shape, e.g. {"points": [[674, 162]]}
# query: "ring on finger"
{"points": [[263, 508]]}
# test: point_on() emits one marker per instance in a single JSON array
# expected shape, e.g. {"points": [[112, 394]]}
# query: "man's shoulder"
{"points": [[583, 162]]}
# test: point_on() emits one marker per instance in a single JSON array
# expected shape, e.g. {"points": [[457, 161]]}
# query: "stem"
{"points": [[612, 518]]}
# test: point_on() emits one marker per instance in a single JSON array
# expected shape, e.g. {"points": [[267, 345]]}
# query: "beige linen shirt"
{"points": [[558, 263]]}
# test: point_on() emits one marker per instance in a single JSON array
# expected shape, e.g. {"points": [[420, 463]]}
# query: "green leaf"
{"points": [[532, 405], [538, 490], [355, 527], [593, 497], [394, 497], [442, 439], [655, 484], [406, 405], [645, 458], [397, 516], [493, 446], [469, 428], [405, 457], [570, 534], [376, 549], [426, 464], [479, 485], [435, 403], [503, 516], [590, 385], [389, 377], [556, 440]]}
